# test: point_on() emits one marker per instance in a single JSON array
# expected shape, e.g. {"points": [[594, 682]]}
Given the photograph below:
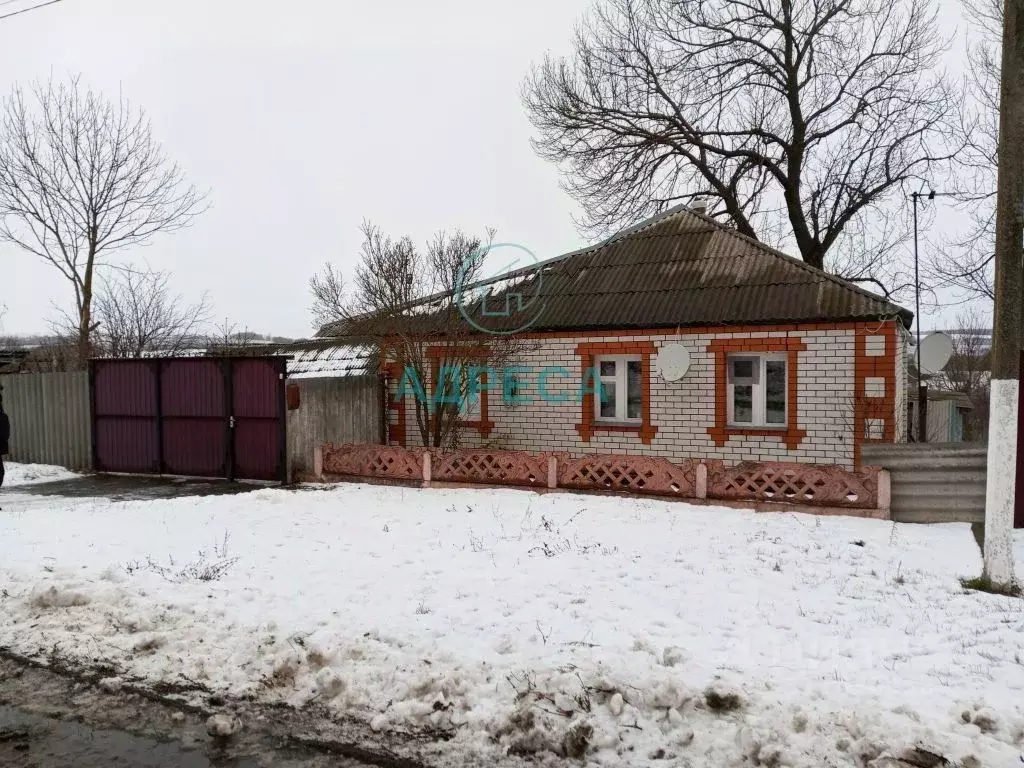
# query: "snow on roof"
{"points": [[330, 360]]}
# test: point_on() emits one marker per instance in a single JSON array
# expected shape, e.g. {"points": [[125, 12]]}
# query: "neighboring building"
{"points": [[787, 362], [947, 414]]}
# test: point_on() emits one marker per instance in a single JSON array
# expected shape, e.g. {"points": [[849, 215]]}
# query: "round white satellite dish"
{"points": [[936, 349], [673, 361]]}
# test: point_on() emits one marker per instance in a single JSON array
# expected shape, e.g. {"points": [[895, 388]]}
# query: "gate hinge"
{"points": [[231, 422]]}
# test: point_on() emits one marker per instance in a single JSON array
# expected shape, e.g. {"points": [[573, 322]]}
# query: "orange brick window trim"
{"points": [[588, 424], [396, 431], [484, 425], [720, 433], [881, 409]]}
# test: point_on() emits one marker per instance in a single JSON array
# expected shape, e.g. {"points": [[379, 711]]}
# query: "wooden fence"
{"points": [[344, 409], [824, 487], [49, 415]]}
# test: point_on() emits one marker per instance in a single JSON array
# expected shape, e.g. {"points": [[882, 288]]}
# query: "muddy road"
{"points": [[52, 720]]}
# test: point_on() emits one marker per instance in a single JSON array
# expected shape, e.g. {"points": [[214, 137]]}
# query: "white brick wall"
{"points": [[683, 410]]}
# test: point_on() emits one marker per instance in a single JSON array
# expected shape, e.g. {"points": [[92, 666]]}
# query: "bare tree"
{"points": [[136, 312], [227, 338], [796, 121], [403, 300], [328, 290], [966, 261], [969, 370], [80, 178]]}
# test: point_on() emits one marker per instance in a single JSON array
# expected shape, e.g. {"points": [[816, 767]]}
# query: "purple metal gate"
{"points": [[194, 416]]}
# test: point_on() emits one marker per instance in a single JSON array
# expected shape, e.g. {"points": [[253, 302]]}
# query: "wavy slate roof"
{"points": [[681, 268]]}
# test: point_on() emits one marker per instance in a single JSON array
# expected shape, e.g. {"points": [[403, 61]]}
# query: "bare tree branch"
{"points": [[82, 177], [403, 301], [798, 120], [966, 262], [136, 313]]}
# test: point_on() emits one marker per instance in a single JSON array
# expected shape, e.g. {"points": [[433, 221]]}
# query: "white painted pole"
{"points": [[1002, 473], [1007, 320]]}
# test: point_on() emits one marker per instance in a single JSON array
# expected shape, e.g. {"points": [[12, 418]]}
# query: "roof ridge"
{"points": [[800, 263]]}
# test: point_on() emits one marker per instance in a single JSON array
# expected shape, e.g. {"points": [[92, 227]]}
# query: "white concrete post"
{"points": [[701, 489], [1001, 475], [318, 462], [552, 472], [426, 469], [885, 493]]}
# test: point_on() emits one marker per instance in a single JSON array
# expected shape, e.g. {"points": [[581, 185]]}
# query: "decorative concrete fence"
{"points": [[807, 484]]}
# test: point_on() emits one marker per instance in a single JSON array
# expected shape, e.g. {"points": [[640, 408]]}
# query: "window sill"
{"points": [[634, 426], [645, 431], [483, 427], [766, 428], [790, 436]]}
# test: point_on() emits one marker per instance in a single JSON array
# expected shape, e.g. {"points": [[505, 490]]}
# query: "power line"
{"points": [[27, 10]]}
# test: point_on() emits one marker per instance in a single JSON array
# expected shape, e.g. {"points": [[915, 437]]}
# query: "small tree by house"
{"points": [[403, 300]]}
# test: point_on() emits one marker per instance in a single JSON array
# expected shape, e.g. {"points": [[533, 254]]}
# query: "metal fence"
{"points": [[933, 482], [49, 415], [345, 409]]}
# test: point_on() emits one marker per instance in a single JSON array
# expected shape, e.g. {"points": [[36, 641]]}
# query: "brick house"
{"points": [[787, 363]]}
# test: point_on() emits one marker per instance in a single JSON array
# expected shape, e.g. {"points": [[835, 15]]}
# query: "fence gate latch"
{"points": [[231, 422]]}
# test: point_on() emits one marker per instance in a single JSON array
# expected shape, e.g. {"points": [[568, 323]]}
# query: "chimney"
{"points": [[699, 205]]}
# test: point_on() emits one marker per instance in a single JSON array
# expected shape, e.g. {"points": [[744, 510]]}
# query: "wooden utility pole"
{"points": [[1007, 328]]}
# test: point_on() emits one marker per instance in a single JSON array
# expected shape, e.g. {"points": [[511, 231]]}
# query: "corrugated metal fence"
{"points": [[933, 482], [345, 409], [49, 415]]}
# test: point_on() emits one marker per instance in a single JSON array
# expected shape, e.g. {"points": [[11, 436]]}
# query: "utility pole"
{"points": [[922, 386], [1006, 331]]}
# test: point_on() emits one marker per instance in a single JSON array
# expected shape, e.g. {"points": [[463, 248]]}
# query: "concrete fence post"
{"points": [[552, 472], [701, 483], [885, 493], [426, 469], [318, 462]]}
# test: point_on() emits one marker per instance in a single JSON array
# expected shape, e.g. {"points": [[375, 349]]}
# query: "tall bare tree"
{"points": [[137, 312], [403, 300], [80, 178], [797, 121]]}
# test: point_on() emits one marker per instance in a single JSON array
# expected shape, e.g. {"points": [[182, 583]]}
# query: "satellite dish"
{"points": [[936, 349], [673, 362]]}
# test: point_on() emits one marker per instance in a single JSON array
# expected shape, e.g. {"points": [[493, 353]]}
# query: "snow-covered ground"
{"points": [[639, 631], [25, 474]]}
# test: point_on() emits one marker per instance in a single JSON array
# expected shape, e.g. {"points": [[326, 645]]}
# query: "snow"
{"points": [[27, 474], [667, 634]]}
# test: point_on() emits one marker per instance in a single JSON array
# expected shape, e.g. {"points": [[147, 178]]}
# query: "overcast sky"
{"points": [[302, 119]]}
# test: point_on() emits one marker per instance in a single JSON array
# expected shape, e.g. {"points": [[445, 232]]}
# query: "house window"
{"points": [[621, 379], [756, 393], [470, 396]]}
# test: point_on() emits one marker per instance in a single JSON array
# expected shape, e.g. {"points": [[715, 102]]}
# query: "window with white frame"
{"points": [[757, 390], [621, 378]]}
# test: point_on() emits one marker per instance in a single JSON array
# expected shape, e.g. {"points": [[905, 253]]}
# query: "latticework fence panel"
{"points": [[373, 461], [795, 483], [638, 474], [497, 467]]}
